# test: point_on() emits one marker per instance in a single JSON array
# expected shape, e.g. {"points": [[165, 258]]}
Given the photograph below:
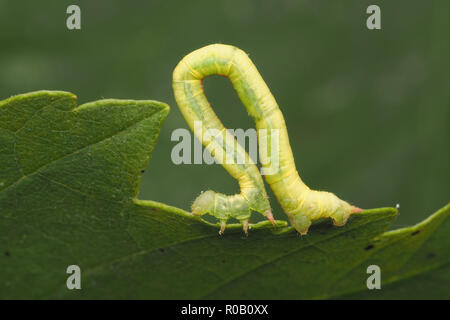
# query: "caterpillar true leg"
{"points": [[301, 204]]}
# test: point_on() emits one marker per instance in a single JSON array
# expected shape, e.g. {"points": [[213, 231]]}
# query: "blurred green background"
{"points": [[367, 111]]}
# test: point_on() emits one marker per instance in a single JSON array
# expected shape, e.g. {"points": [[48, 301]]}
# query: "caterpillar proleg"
{"points": [[301, 204]]}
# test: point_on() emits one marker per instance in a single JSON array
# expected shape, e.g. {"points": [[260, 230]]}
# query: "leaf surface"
{"points": [[69, 177]]}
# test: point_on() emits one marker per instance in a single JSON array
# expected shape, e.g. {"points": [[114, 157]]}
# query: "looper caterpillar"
{"points": [[301, 204]]}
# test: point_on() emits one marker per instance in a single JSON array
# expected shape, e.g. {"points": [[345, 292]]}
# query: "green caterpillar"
{"points": [[301, 204]]}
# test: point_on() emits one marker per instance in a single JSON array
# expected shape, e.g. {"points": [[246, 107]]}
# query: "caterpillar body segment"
{"points": [[301, 204], [223, 207]]}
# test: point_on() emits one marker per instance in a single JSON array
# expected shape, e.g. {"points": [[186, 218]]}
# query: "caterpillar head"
{"points": [[204, 203]]}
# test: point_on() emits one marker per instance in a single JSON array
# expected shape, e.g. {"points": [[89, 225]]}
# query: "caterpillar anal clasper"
{"points": [[301, 204]]}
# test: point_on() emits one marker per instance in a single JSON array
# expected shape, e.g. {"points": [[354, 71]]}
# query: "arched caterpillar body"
{"points": [[301, 204]]}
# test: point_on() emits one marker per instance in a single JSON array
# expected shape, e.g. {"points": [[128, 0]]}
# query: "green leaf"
{"points": [[420, 269], [69, 177]]}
